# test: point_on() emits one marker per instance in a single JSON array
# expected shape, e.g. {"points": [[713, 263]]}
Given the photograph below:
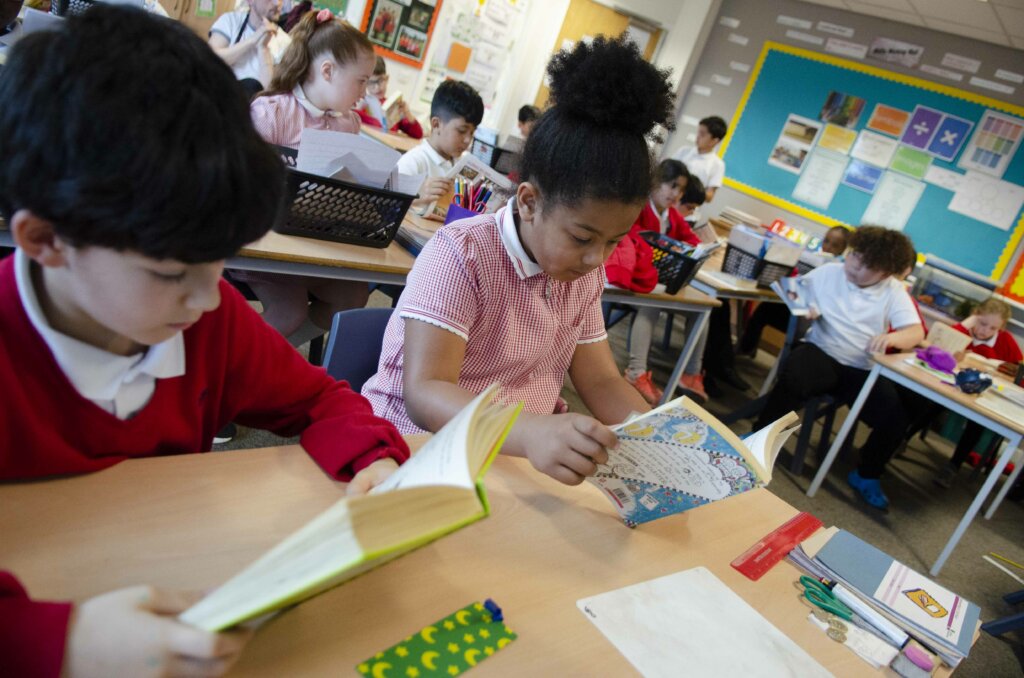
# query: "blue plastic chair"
{"points": [[354, 347]]}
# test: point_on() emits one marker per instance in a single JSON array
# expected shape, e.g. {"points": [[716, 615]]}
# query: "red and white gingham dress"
{"points": [[521, 327]]}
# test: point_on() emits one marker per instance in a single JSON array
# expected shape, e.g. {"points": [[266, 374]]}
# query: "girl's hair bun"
{"points": [[608, 83]]}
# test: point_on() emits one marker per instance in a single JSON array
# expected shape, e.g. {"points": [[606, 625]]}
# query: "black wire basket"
{"points": [[675, 269]]}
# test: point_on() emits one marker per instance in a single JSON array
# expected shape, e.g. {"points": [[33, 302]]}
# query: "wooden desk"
{"points": [[895, 368], [192, 521], [399, 142], [709, 285]]}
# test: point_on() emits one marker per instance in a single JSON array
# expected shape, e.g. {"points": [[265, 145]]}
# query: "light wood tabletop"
{"points": [[399, 142], [393, 259], [707, 282], [192, 521]]}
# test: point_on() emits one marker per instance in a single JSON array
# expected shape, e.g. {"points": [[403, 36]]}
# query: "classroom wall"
{"points": [[758, 22]]}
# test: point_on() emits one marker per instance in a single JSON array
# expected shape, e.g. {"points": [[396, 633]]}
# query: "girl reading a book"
{"points": [[515, 297], [322, 75], [986, 326]]}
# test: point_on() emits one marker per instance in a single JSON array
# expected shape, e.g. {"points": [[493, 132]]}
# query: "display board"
{"points": [[839, 141], [401, 29]]}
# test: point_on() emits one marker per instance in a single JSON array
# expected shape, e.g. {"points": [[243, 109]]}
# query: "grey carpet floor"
{"points": [[914, 530]]}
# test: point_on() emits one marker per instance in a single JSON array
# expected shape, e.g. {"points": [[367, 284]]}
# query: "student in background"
{"points": [[858, 301], [630, 266], [528, 117], [120, 339], [377, 88], [320, 78], [986, 327], [241, 39], [455, 112], [777, 315], [701, 160], [515, 297]]}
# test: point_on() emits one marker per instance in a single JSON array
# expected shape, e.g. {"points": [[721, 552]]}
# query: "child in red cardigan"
{"points": [[986, 327], [118, 336], [630, 266], [377, 90]]}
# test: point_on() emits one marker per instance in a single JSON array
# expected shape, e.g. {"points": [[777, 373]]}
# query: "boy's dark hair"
{"points": [[845, 232], [126, 131], [457, 99], [715, 126], [592, 142], [528, 113], [882, 249], [670, 170], [695, 193]]}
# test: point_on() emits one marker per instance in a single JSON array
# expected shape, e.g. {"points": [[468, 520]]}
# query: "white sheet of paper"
{"points": [[874, 148], [943, 178], [691, 623], [894, 201], [319, 149], [989, 200], [821, 176]]}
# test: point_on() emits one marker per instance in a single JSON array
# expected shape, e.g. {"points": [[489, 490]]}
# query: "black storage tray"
{"points": [[328, 209], [675, 269]]}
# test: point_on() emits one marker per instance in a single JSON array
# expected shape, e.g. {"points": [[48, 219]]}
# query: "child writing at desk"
{"points": [[861, 309], [322, 75], [455, 112], [986, 326], [118, 336], [515, 297]]}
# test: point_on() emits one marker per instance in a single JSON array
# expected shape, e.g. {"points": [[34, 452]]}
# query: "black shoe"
{"points": [[731, 377], [711, 386], [225, 435]]}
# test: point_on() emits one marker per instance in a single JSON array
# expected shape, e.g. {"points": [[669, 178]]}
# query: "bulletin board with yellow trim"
{"points": [[839, 141]]}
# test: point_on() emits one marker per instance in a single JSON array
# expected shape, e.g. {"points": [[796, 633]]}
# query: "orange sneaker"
{"points": [[693, 385], [645, 385]]}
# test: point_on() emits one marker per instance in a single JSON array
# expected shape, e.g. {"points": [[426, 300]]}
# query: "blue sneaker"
{"points": [[869, 489]]}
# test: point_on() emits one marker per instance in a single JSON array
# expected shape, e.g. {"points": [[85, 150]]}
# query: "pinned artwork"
{"points": [[993, 145]]}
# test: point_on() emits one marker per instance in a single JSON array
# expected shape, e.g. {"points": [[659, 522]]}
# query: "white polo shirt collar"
{"points": [[521, 262], [300, 96], [96, 374], [990, 342]]}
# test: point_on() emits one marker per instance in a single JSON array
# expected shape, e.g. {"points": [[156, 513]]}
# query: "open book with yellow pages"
{"points": [[678, 456], [439, 490]]}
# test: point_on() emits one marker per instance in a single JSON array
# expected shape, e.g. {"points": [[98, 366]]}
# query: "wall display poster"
{"points": [[842, 109], [993, 144], [988, 200], [820, 178], [401, 29], [910, 161], [896, 51], [837, 138], [862, 176], [795, 142], [894, 201], [874, 149], [888, 120]]}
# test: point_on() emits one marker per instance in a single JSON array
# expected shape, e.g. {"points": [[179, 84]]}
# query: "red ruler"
{"points": [[773, 547]]}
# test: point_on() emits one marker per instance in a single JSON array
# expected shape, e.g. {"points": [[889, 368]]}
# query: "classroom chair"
{"points": [[1013, 622], [353, 350]]}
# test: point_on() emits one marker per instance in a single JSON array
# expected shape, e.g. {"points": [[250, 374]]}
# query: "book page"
{"points": [[948, 339], [444, 459], [923, 602], [764, 445], [671, 460], [319, 149], [797, 294]]}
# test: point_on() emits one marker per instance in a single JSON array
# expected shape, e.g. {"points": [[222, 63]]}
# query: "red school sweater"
{"points": [[237, 368], [678, 228], [1005, 349], [32, 633]]}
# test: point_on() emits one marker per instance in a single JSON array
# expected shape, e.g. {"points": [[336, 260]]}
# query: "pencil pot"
{"points": [[742, 264], [675, 269], [328, 209]]}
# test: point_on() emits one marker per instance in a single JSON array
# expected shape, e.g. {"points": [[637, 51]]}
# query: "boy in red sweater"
{"points": [[130, 172], [986, 327]]}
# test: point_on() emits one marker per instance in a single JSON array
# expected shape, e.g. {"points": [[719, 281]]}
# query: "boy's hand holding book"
{"points": [[433, 189], [371, 476]]}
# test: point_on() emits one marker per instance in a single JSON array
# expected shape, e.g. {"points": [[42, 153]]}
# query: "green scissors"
{"points": [[821, 596]]}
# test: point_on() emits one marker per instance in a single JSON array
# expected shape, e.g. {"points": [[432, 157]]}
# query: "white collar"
{"points": [[300, 96], [990, 342], [661, 215], [96, 374], [521, 262], [436, 157]]}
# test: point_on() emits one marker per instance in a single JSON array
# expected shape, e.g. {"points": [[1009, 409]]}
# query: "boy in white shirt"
{"points": [[701, 160], [857, 301], [455, 112]]}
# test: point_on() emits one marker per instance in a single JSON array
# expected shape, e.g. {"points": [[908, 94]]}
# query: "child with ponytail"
{"points": [[322, 75], [515, 297]]}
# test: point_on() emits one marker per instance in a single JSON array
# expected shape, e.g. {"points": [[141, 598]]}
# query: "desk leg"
{"points": [[1011, 447], [975, 506], [700, 321], [851, 419]]}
